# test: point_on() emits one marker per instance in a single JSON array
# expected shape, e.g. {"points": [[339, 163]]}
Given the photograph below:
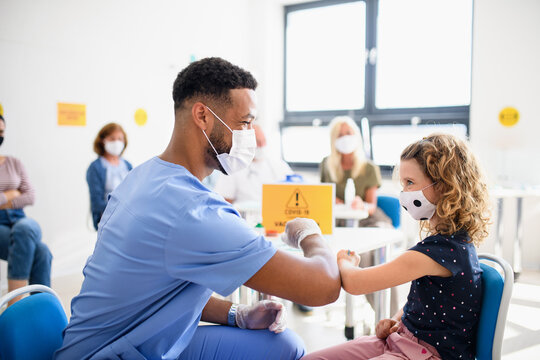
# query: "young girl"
{"points": [[443, 188]]}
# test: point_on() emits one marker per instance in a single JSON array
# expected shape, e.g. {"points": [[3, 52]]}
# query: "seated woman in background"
{"points": [[347, 161], [106, 172], [29, 260]]}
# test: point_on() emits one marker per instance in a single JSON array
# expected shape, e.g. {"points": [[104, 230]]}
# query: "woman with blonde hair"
{"points": [[106, 172], [347, 161]]}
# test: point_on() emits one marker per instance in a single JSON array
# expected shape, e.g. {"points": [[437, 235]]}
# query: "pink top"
{"points": [[13, 177]]}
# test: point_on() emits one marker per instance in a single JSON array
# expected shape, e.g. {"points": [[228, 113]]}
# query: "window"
{"points": [[388, 141], [297, 150], [395, 66], [317, 40], [424, 58]]}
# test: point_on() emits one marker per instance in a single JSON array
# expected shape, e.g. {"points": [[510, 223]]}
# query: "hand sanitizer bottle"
{"points": [[350, 192]]}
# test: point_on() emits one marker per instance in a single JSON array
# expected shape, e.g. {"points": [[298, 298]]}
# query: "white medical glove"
{"points": [[265, 314], [297, 229]]}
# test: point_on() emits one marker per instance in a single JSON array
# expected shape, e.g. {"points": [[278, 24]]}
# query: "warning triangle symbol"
{"points": [[297, 201]]}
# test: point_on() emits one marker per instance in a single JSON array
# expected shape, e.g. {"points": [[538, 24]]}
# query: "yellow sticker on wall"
{"points": [[283, 202], [141, 117], [509, 116], [71, 114], [1, 110]]}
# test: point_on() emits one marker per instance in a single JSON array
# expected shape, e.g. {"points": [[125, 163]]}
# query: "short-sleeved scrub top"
{"points": [[165, 243]]}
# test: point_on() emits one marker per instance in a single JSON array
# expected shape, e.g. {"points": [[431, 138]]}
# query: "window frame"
{"points": [[376, 117]]}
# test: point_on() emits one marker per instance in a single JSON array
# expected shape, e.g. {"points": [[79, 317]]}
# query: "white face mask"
{"points": [[115, 147], [346, 144], [242, 150], [416, 204]]}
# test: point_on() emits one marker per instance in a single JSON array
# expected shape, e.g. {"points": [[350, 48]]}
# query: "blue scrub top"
{"points": [[165, 243]]}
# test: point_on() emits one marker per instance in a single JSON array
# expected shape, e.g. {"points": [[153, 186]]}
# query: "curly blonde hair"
{"points": [[464, 203]]}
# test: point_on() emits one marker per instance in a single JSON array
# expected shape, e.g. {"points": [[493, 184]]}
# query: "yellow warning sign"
{"points": [[297, 201], [283, 202], [509, 116], [71, 114]]}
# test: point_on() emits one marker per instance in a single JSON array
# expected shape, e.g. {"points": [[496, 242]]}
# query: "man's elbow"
{"points": [[327, 292], [333, 294]]}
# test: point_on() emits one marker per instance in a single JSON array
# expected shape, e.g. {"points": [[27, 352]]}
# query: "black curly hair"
{"points": [[210, 77]]}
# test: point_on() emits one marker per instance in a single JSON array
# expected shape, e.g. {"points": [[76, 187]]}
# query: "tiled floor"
{"points": [[324, 327]]}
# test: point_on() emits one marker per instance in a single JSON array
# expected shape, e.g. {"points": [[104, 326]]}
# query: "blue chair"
{"points": [[496, 293], [32, 327], [391, 207]]}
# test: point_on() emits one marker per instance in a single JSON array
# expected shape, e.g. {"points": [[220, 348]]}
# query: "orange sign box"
{"points": [[283, 202], [71, 114]]}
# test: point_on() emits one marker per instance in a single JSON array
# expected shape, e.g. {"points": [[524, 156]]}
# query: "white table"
{"points": [[342, 211], [501, 194], [250, 211], [361, 240]]}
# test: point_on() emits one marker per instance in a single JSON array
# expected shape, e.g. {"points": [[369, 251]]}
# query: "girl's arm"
{"points": [[407, 267]]}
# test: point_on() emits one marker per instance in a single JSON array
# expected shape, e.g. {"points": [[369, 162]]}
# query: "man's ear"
{"points": [[200, 116]]}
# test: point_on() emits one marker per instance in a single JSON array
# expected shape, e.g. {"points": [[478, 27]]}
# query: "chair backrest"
{"points": [[32, 327], [391, 207], [496, 293]]}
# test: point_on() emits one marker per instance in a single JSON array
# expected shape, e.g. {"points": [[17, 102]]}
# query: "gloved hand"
{"points": [[297, 229], [265, 314]]}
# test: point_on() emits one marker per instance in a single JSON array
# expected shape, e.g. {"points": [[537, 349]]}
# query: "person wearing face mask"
{"points": [[106, 172], [347, 161], [444, 189], [166, 243], [246, 185], [29, 259]]}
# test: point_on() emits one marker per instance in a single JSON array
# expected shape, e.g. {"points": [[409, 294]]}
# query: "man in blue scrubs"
{"points": [[166, 243]]}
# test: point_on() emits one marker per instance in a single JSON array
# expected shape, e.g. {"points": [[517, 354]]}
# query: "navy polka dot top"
{"points": [[443, 311]]}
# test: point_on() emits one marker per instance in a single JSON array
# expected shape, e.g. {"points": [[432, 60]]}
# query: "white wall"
{"points": [[113, 56], [117, 56], [506, 54]]}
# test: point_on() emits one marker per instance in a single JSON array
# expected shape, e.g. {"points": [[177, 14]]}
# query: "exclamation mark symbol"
{"points": [[297, 199]]}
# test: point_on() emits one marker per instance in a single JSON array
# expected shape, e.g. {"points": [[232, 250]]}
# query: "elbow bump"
{"points": [[327, 293], [347, 286]]}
